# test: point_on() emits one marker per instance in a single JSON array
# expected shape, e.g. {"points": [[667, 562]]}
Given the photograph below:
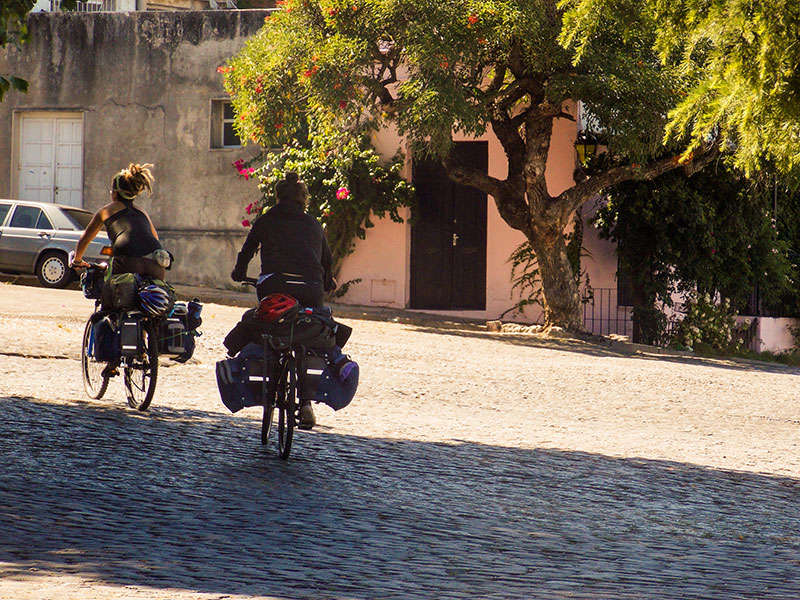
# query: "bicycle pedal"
{"points": [[110, 372]]}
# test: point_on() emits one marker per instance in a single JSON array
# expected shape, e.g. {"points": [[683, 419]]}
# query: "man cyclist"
{"points": [[295, 256]]}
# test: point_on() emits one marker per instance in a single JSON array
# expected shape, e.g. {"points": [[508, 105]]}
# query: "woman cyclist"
{"points": [[134, 241], [295, 256]]}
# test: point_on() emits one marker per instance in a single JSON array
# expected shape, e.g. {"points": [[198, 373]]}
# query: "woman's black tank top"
{"points": [[130, 233]]}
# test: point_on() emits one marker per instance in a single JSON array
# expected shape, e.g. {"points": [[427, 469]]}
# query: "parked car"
{"points": [[36, 237]]}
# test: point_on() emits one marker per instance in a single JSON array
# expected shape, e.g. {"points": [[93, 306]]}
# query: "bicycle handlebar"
{"points": [[91, 265]]}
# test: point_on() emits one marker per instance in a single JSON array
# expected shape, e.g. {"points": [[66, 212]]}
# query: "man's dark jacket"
{"points": [[292, 241]]}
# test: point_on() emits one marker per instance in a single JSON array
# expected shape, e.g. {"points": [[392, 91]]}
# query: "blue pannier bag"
{"points": [[105, 342], [326, 376], [236, 378], [329, 377]]}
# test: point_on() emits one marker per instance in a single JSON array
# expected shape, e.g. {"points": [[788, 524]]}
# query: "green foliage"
{"points": [[708, 327], [429, 70], [434, 68], [742, 70], [525, 278], [347, 186], [712, 233]]}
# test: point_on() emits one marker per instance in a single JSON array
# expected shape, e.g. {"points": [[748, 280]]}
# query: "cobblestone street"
{"points": [[470, 465]]}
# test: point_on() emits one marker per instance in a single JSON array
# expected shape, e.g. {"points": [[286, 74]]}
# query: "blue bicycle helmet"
{"points": [[155, 300]]}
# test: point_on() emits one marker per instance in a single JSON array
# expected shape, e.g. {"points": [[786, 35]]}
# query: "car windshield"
{"points": [[81, 217]]}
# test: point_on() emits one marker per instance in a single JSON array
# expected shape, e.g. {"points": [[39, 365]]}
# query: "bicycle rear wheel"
{"points": [[287, 409], [95, 381], [141, 373]]}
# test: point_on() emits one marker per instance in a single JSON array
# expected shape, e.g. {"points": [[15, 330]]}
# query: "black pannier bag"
{"points": [[172, 336], [240, 379], [176, 335], [130, 327], [313, 328], [310, 368], [105, 340], [119, 291], [173, 331], [92, 283]]}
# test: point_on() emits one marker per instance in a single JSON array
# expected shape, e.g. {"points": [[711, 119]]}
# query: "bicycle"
{"points": [[279, 385], [138, 353]]}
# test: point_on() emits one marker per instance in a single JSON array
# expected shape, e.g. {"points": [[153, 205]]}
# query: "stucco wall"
{"points": [[382, 260], [144, 83]]}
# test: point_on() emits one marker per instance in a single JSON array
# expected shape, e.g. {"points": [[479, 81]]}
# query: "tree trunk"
{"points": [[561, 299]]}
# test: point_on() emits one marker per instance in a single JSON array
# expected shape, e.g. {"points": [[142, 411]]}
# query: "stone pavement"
{"points": [[470, 465]]}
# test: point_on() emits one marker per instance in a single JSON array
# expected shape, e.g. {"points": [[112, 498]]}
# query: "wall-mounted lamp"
{"points": [[586, 146]]}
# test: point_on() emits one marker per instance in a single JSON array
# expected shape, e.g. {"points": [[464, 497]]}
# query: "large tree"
{"points": [[744, 55], [437, 67]]}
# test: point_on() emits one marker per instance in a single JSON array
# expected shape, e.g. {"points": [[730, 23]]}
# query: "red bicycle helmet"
{"points": [[278, 308]]}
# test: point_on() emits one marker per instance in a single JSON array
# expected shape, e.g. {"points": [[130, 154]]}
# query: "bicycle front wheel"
{"points": [[142, 371], [287, 408], [95, 379]]}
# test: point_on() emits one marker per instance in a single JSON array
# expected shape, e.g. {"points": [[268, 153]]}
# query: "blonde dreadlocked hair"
{"points": [[130, 182]]}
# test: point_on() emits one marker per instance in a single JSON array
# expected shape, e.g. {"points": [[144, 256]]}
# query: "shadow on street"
{"points": [[190, 500]]}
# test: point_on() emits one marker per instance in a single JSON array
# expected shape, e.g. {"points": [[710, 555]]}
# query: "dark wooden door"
{"points": [[448, 240]]}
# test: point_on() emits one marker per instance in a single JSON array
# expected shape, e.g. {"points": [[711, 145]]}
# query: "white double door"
{"points": [[51, 158]]}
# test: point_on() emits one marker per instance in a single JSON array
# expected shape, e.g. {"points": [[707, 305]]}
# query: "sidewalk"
{"points": [[420, 318]]}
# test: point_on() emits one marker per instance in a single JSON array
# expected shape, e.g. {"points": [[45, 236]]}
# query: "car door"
{"points": [[26, 231]]}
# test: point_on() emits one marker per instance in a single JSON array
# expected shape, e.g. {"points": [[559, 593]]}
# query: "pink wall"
{"points": [[382, 260], [772, 334]]}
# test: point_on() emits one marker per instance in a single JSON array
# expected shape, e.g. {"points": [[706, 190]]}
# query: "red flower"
{"points": [[342, 193], [342, 104], [239, 164], [245, 223], [473, 18], [259, 89]]}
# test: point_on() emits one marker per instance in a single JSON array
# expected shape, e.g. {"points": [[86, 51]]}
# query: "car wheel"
{"points": [[53, 270]]}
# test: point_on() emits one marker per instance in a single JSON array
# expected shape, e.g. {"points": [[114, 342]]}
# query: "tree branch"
{"points": [[584, 190], [510, 204]]}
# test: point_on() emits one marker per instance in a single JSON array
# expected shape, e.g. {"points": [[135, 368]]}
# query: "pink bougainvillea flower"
{"points": [[249, 208], [245, 223], [342, 193], [239, 164]]}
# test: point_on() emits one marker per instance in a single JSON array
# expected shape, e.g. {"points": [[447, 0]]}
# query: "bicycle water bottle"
{"points": [[194, 310]]}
